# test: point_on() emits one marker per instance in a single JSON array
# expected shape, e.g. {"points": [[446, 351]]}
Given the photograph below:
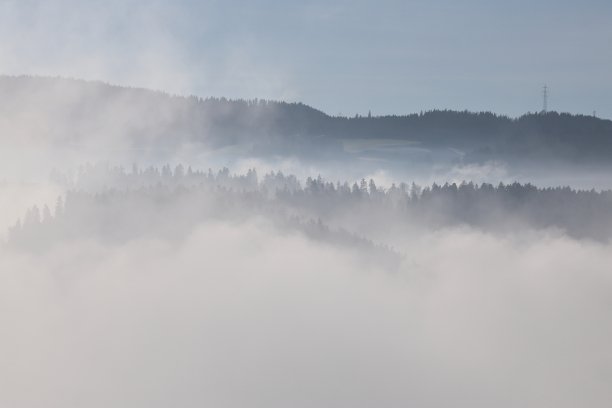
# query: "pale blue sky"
{"points": [[339, 56]]}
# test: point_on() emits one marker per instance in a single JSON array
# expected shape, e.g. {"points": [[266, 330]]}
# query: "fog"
{"points": [[140, 290], [243, 314], [161, 249]]}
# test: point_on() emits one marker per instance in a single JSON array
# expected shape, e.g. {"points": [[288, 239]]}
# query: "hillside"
{"points": [[75, 112]]}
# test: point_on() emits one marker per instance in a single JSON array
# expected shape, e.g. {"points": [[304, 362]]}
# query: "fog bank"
{"points": [[245, 315]]}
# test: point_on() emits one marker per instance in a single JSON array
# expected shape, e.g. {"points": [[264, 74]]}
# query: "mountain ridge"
{"points": [[73, 110]]}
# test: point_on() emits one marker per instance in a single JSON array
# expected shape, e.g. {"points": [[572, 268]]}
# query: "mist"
{"points": [[242, 313], [136, 270], [188, 219], [190, 288]]}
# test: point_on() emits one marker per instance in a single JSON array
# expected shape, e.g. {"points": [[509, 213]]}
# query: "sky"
{"points": [[343, 57]]}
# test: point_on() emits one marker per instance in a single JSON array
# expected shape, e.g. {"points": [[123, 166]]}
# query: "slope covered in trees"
{"points": [[73, 112], [142, 201]]}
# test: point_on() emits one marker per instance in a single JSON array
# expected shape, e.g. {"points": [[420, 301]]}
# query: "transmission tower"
{"points": [[545, 99]]}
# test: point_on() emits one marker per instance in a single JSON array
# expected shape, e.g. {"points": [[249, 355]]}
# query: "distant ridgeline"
{"points": [[74, 111]]}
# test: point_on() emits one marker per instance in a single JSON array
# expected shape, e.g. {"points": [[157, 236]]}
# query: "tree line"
{"points": [[154, 119], [361, 207]]}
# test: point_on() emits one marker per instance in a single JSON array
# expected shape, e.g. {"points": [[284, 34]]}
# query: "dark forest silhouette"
{"points": [[271, 128], [143, 200]]}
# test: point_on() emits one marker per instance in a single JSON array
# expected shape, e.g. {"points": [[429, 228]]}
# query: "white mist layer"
{"points": [[15, 197], [244, 315]]}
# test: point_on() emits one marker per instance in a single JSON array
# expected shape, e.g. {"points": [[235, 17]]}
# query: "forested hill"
{"points": [[76, 112]]}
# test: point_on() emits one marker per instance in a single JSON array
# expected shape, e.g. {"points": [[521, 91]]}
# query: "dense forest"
{"points": [[143, 118], [142, 202]]}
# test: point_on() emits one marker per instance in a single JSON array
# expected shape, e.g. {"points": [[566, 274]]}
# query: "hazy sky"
{"points": [[340, 56]]}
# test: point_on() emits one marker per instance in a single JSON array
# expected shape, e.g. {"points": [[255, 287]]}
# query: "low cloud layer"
{"points": [[242, 314]]}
